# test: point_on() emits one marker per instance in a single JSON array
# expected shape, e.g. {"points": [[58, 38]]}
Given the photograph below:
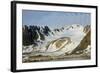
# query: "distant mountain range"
{"points": [[69, 39]]}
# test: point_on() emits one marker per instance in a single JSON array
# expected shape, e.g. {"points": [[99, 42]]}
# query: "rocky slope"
{"points": [[85, 42]]}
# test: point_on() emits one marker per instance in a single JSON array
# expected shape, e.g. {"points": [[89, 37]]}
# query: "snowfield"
{"points": [[58, 43]]}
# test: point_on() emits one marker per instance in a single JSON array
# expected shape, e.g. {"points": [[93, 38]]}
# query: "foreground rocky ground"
{"points": [[39, 58]]}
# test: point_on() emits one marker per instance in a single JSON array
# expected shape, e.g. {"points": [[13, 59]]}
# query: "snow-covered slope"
{"points": [[58, 41]]}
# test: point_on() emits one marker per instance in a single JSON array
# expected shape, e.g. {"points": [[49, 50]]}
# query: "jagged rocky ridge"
{"points": [[32, 34]]}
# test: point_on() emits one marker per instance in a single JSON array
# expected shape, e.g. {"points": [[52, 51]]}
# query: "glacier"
{"points": [[47, 47]]}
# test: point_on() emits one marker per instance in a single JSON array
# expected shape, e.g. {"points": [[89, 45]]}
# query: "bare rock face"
{"points": [[83, 44], [86, 28]]}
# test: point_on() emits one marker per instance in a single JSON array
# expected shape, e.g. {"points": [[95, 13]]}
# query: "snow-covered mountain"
{"points": [[53, 42]]}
